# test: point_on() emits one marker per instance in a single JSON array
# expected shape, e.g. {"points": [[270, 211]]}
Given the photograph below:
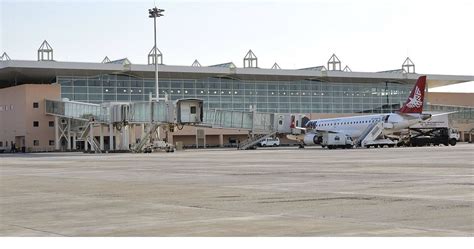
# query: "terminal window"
{"points": [[36, 142], [35, 123], [51, 142], [35, 105], [51, 123]]}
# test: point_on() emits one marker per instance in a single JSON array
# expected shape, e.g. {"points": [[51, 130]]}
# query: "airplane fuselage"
{"points": [[354, 126]]}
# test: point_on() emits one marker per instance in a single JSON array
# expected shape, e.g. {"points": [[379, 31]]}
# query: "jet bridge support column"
{"points": [[132, 137], [101, 134], [74, 142], [85, 145], [91, 134], [69, 134], [124, 141], [117, 139], [57, 140], [111, 137]]}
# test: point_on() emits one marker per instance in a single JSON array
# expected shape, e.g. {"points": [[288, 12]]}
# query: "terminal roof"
{"points": [[15, 72]]}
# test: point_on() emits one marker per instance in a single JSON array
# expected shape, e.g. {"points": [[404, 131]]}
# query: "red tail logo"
{"points": [[414, 103]]}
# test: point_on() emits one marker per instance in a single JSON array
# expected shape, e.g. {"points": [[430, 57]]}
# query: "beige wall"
{"points": [[459, 99], [19, 121], [12, 118]]}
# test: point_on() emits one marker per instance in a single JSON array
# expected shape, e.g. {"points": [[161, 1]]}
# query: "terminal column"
{"points": [[221, 140]]}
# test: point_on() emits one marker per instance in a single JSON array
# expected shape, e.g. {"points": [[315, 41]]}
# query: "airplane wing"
{"points": [[301, 128], [444, 113], [312, 130]]}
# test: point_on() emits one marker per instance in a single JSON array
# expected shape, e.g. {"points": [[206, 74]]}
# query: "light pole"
{"points": [[154, 13]]}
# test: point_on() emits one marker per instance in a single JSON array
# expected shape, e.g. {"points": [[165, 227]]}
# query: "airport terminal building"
{"points": [[321, 91]]}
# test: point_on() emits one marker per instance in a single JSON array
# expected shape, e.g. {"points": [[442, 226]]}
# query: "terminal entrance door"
{"points": [[20, 143]]}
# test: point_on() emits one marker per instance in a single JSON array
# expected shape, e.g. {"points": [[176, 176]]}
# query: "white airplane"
{"points": [[354, 126]]}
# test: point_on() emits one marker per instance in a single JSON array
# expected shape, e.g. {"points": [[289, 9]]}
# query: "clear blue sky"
{"points": [[366, 35]]}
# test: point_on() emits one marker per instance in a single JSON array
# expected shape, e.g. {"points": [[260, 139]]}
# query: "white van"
{"points": [[270, 142]]}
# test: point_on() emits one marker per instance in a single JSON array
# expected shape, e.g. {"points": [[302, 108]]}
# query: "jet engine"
{"points": [[311, 139]]}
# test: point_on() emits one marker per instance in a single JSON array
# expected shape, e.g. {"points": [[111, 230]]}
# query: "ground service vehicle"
{"points": [[270, 142], [337, 140], [434, 131]]}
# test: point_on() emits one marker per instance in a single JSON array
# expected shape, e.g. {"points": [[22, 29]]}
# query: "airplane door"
{"points": [[283, 123], [193, 113], [186, 113], [280, 122]]}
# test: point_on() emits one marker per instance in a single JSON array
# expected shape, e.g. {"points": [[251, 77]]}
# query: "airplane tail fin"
{"points": [[414, 103]]}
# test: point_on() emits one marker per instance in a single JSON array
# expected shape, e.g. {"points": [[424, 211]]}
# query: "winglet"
{"points": [[414, 103]]}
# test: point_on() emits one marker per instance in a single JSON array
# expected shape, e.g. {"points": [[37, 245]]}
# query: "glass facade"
{"points": [[299, 96]]}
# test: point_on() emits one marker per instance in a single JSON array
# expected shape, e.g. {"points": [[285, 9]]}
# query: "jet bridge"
{"points": [[259, 124], [77, 122]]}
